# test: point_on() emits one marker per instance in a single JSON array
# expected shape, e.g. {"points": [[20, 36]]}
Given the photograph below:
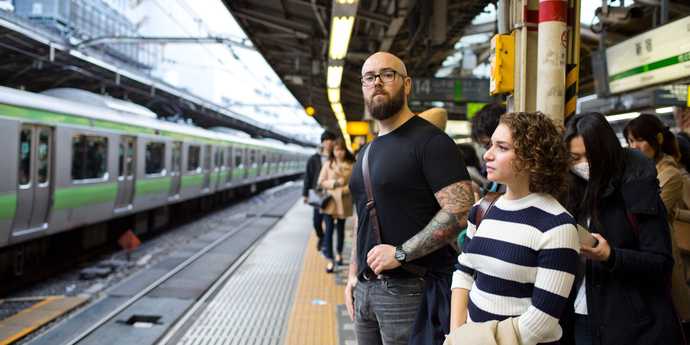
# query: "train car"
{"points": [[90, 159]]}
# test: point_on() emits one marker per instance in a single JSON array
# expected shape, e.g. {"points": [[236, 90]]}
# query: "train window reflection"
{"points": [[89, 157], [193, 156], [238, 159], [25, 156], [43, 155], [155, 158]]}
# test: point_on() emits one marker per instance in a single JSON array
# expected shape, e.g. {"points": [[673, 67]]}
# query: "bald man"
{"points": [[399, 277]]}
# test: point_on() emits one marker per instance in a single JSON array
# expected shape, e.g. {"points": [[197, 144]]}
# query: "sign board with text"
{"points": [[657, 56], [450, 89]]}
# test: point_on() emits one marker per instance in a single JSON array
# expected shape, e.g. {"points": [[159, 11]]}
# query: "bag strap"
{"points": [[485, 205], [371, 206], [373, 214]]}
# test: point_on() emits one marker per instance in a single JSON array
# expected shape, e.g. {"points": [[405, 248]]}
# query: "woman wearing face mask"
{"points": [[623, 296], [518, 264], [335, 178]]}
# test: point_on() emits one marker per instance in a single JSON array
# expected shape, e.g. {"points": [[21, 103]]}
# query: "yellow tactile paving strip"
{"points": [[28, 320], [312, 323]]}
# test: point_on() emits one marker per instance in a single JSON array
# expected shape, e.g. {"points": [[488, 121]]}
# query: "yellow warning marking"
{"points": [[310, 323], [28, 320]]}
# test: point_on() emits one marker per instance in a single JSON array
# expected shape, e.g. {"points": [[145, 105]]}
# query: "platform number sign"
{"points": [[450, 89]]}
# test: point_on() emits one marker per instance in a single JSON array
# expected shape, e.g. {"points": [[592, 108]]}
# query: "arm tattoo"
{"points": [[456, 201]]}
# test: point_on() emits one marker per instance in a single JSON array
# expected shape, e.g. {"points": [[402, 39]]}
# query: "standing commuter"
{"points": [[521, 254], [399, 276], [484, 124], [647, 134], [624, 296], [311, 178], [682, 117], [335, 179]]}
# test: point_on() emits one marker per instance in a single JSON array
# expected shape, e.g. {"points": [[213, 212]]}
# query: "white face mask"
{"points": [[581, 169]]}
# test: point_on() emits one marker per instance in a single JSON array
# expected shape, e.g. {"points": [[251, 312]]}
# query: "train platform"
{"points": [[281, 294]]}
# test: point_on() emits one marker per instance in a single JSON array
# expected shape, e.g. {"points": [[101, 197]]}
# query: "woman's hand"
{"points": [[600, 252]]}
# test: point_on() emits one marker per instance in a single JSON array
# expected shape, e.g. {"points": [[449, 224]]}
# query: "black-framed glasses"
{"points": [[386, 76]]}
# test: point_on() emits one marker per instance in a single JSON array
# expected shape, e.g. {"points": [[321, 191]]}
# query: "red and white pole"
{"points": [[552, 49]]}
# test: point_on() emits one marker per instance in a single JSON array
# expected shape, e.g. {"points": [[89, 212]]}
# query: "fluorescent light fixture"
{"points": [[346, 2], [664, 110], [624, 116], [334, 76], [341, 30], [334, 95]]}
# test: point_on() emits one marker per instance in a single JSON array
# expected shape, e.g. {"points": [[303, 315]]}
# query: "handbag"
{"points": [[318, 198]]}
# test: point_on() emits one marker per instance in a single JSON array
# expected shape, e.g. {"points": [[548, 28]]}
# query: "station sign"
{"points": [[450, 90], [657, 56]]}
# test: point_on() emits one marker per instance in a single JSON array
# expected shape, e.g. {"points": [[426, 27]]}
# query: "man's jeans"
{"points": [[385, 310]]}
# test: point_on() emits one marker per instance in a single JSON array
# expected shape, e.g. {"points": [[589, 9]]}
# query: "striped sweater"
{"points": [[520, 262]]}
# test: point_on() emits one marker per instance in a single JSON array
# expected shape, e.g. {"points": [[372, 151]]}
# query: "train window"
{"points": [[176, 157], [238, 159], [221, 157], [121, 160], [25, 157], [216, 158], [155, 158], [43, 155], [193, 158], [89, 157]]}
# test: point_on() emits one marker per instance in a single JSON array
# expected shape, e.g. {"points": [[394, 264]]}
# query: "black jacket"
{"points": [[628, 297], [312, 174]]}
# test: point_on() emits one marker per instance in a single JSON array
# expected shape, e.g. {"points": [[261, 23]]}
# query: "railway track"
{"points": [[189, 274]]}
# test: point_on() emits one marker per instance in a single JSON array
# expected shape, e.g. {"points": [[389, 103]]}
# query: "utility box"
{"points": [[502, 64]]}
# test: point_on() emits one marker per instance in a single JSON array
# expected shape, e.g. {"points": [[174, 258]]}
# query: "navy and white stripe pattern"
{"points": [[520, 262]]}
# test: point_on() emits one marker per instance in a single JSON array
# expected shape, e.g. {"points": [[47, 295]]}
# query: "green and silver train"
{"points": [[68, 163]]}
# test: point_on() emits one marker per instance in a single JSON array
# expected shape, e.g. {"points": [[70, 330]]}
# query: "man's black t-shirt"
{"points": [[407, 167]]}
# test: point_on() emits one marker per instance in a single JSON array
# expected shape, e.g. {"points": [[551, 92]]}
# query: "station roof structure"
{"points": [[293, 36], [35, 59]]}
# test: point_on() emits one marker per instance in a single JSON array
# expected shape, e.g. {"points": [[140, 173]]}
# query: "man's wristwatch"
{"points": [[400, 254]]}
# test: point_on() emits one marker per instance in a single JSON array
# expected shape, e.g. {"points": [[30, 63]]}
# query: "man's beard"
{"points": [[388, 108]]}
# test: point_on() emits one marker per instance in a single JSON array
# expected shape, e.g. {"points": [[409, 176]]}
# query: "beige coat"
{"points": [[505, 332], [671, 183], [340, 205]]}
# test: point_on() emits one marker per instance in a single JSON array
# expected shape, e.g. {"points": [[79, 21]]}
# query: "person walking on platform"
{"points": [[521, 252], [335, 179], [311, 177], [412, 194], [647, 134], [622, 295]]}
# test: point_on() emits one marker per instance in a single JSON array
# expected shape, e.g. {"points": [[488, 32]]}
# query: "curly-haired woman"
{"points": [[520, 261]]}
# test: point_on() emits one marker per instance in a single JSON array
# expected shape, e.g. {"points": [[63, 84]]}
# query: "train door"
{"points": [[35, 175], [176, 170], [126, 173], [208, 150]]}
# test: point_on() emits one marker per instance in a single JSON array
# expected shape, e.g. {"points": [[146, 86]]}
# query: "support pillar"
{"points": [[552, 48]]}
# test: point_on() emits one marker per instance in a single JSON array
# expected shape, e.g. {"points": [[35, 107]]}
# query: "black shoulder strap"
{"points": [[371, 206], [485, 205]]}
